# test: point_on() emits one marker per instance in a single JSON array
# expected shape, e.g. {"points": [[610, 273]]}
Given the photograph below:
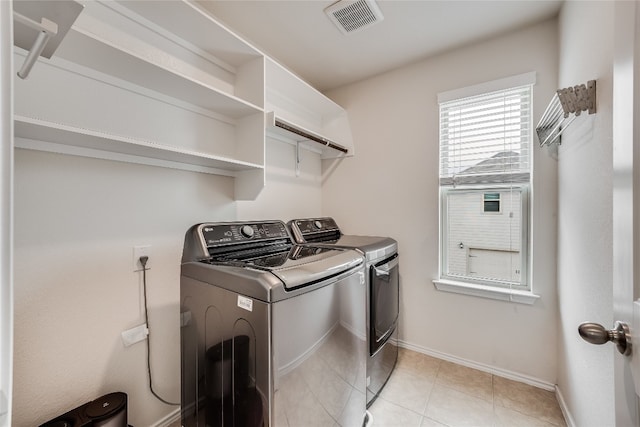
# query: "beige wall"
{"points": [[76, 222], [585, 372], [391, 188], [286, 195]]}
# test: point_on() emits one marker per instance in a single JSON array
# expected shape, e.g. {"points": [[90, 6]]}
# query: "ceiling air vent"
{"points": [[353, 16]]}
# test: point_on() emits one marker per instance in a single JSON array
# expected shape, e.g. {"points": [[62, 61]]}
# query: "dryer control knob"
{"points": [[317, 224], [247, 231]]}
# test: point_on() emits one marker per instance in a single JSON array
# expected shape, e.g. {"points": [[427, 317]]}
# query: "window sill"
{"points": [[521, 297]]}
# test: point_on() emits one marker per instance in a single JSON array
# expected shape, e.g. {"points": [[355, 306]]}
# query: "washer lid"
{"points": [[106, 405]]}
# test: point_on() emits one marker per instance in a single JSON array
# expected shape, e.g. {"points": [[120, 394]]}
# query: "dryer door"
{"points": [[384, 282]]}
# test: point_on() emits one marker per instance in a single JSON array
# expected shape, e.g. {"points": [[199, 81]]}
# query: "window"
{"points": [[491, 202], [485, 168]]}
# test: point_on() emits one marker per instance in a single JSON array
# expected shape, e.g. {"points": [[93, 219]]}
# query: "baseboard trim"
{"points": [[480, 366], [564, 408], [166, 421]]}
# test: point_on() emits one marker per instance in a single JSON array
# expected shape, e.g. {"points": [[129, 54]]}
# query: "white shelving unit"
{"points": [[113, 55], [86, 49], [85, 142], [195, 30], [163, 83], [294, 102]]}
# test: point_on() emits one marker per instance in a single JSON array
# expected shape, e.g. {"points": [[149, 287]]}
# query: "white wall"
{"points": [[391, 188], [585, 371], [77, 220], [286, 196]]}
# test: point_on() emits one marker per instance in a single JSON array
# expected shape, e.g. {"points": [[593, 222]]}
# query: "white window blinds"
{"points": [[486, 138]]}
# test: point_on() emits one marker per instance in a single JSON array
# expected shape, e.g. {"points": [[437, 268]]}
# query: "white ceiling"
{"points": [[299, 35]]}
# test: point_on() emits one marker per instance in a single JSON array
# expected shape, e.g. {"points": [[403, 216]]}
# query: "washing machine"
{"points": [[382, 282], [272, 333]]}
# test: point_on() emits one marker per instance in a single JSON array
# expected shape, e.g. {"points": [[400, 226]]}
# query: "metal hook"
{"points": [[298, 158]]}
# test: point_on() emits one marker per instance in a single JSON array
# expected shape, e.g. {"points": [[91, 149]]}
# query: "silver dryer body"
{"points": [[382, 280]]}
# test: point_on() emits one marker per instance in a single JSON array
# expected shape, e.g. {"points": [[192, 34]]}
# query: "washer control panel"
{"points": [[313, 230], [232, 233], [315, 225]]}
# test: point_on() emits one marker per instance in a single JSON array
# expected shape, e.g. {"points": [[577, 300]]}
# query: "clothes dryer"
{"points": [[382, 277]]}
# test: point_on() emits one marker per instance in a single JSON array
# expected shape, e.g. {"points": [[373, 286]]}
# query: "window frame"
{"points": [[494, 289]]}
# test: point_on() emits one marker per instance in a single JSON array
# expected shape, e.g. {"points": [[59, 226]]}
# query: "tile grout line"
{"points": [[433, 385], [437, 380], [493, 398]]}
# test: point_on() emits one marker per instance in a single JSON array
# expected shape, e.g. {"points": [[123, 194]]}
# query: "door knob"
{"points": [[595, 333]]}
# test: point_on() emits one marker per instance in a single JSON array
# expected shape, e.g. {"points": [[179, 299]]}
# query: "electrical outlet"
{"points": [[138, 251], [185, 318], [134, 335]]}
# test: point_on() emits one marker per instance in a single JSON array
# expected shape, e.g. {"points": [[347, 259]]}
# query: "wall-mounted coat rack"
{"points": [[40, 26], [566, 102]]}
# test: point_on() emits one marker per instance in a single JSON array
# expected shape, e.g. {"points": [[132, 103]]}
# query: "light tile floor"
{"points": [[428, 392]]}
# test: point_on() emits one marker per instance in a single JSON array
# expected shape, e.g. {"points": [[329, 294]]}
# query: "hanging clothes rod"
{"points": [[308, 135], [46, 29], [40, 26], [565, 106]]}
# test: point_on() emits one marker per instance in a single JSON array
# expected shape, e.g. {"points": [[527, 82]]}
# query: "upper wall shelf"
{"points": [[196, 26], [134, 150], [296, 103], [86, 49], [240, 66]]}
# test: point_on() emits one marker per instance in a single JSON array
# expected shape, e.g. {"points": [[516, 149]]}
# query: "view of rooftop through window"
{"points": [[485, 134]]}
